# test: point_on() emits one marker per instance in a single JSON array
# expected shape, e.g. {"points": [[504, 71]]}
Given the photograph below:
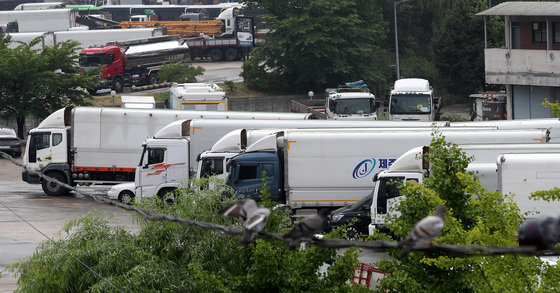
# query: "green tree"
{"points": [[180, 71], [168, 257], [317, 44], [477, 217], [39, 81]]}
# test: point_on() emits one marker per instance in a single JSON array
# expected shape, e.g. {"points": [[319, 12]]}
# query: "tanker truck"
{"points": [[133, 62]]}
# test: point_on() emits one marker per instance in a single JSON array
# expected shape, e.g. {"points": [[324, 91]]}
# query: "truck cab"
{"points": [[412, 99], [111, 59], [162, 167], [351, 102], [246, 173], [407, 169]]}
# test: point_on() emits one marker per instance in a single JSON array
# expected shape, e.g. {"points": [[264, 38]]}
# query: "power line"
{"points": [[456, 250]]}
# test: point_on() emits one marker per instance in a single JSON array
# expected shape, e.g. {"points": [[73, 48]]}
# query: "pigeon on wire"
{"points": [[424, 231], [542, 232], [254, 217], [306, 228]]}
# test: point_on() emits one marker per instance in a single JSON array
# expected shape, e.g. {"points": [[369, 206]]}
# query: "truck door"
{"points": [[47, 147], [388, 196], [153, 170], [247, 180]]}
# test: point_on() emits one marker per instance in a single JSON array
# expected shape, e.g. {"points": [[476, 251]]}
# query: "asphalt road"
{"points": [[26, 213]]}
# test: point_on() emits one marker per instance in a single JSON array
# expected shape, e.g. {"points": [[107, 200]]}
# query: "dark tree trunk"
{"points": [[20, 125]]}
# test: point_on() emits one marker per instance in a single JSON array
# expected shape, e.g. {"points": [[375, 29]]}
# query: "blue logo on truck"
{"points": [[363, 168]]}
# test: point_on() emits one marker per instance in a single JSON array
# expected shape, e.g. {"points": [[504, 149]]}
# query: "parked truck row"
{"points": [[510, 169], [90, 145]]}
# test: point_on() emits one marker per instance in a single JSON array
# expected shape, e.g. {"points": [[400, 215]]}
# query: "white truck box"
{"points": [[333, 168], [522, 173], [410, 167], [552, 124], [197, 96], [41, 20], [87, 38], [138, 102]]}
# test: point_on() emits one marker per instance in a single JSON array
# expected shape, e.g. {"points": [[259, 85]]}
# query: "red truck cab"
{"points": [[111, 58]]}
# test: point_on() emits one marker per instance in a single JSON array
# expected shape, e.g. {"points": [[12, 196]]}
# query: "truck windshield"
{"points": [[211, 166], [92, 60], [410, 104], [355, 106]]}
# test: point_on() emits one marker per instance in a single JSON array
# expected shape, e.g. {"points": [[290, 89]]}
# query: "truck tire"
{"points": [[91, 91], [231, 54], [216, 54], [118, 85], [167, 194], [152, 79], [53, 189], [126, 196]]}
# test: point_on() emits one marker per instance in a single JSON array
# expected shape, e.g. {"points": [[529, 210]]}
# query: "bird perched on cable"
{"points": [[542, 232], [247, 211], [424, 231], [306, 228]]}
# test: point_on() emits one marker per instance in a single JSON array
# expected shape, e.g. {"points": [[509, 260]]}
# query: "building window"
{"points": [[556, 32], [539, 32]]}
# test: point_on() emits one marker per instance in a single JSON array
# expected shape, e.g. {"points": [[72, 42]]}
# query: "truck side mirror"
{"points": [[377, 104], [332, 105], [436, 103]]}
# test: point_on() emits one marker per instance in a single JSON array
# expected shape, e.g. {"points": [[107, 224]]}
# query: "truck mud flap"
{"points": [[30, 178]]}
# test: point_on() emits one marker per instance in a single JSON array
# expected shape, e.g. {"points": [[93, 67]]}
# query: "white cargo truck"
{"points": [[90, 145], [552, 124], [86, 38], [184, 142], [311, 169], [197, 96], [509, 168], [41, 20], [412, 99]]}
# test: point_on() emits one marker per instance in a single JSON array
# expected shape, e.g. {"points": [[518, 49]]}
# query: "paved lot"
{"points": [[47, 214]]}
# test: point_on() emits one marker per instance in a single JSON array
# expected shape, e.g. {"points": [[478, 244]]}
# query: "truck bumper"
{"points": [[30, 178]]}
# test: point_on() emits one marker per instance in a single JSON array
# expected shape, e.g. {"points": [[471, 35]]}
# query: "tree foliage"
{"points": [[477, 217], [316, 44], [180, 71], [168, 257], [39, 81]]}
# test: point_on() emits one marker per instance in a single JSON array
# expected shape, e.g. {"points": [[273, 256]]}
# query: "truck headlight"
{"points": [[336, 217]]}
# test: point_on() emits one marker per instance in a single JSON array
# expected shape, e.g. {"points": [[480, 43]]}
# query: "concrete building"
{"points": [[529, 63]]}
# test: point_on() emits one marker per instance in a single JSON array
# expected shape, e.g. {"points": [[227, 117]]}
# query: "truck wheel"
{"points": [[216, 55], [167, 195], [53, 189], [91, 91], [152, 79], [126, 196], [352, 233], [231, 54], [118, 85]]}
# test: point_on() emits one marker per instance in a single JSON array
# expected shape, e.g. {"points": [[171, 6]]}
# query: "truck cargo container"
{"points": [[41, 20], [90, 145], [86, 38], [517, 168], [197, 96], [312, 169], [183, 143]]}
